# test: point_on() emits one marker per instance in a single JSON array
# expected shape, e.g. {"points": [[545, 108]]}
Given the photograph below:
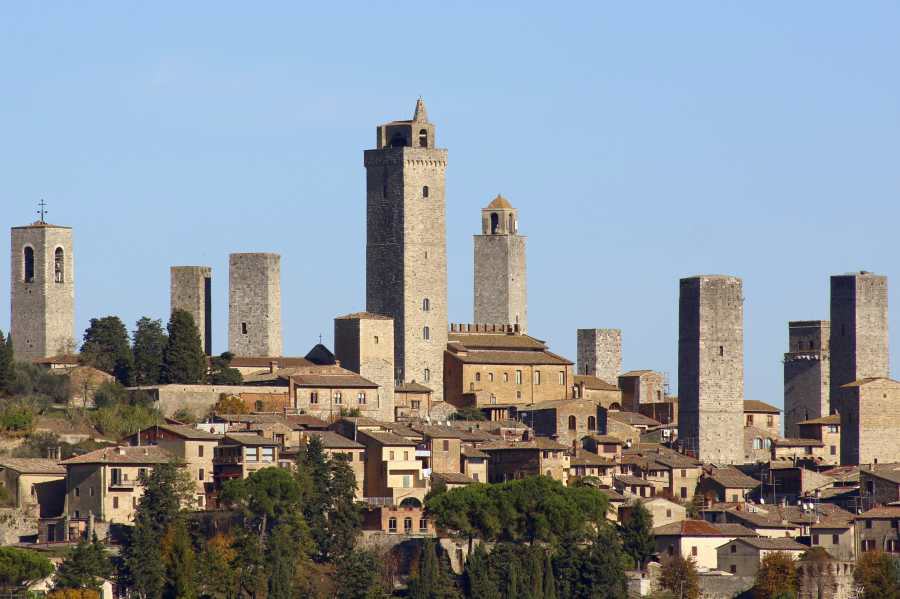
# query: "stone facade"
{"points": [[42, 290], [406, 248], [501, 295], [191, 291], [859, 330], [254, 305], [364, 343], [600, 353], [711, 368], [870, 419], [641, 387], [806, 372]]}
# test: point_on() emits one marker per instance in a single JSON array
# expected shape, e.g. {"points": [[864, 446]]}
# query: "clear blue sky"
{"points": [[641, 142]]}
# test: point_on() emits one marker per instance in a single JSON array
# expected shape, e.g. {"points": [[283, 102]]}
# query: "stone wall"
{"points": [[820, 579], [364, 343], [406, 258], [43, 309], [199, 399], [870, 419], [711, 368], [806, 372], [600, 353], [254, 305], [190, 291], [500, 294]]}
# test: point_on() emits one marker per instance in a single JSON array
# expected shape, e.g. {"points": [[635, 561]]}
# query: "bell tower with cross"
{"points": [[42, 289]]}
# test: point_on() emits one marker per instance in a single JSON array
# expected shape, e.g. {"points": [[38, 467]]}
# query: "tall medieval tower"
{"points": [[711, 368], [500, 290], [254, 305], [42, 290], [191, 290], [600, 353], [406, 247], [806, 370]]}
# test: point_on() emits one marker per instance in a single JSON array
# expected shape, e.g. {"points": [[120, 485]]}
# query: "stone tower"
{"points": [[42, 290], [364, 343], [600, 353], [806, 370], [254, 305], [711, 368], [406, 249], [500, 283], [859, 330], [191, 291]]}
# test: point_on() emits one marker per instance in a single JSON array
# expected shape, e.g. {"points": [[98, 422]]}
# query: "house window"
{"points": [[471, 386], [423, 524], [115, 503], [268, 454], [338, 398], [834, 540], [734, 498], [426, 305], [426, 333], [91, 491], [243, 328], [694, 551], [833, 428], [446, 445], [407, 526], [732, 568], [668, 513], [770, 421], [592, 423], [201, 474], [505, 377], [749, 419], [477, 377], [199, 451], [376, 339], [392, 525], [405, 456], [415, 403], [573, 423], [537, 377], [721, 350], [562, 377], [833, 450], [683, 492], [518, 377], [250, 454], [425, 191], [683, 473], [407, 481], [734, 548], [426, 375], [491, 377], [361, 397], [518, 395], [815, 539], [115, 476], [313, 397], [768, 443], [757, 443], [493, 399], [391, 455], [475, 476]]}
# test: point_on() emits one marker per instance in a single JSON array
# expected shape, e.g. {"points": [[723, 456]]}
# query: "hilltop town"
{"points": [[425, 458]]}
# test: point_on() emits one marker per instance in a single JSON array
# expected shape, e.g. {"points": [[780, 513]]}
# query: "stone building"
{"points": [[859, 330], [406, 248], [711, 368], [254, 305], [641, 387], [500, 284], [565, 420], [364, 344], [877, 529], [870, 420], [600, 353], [826, 429], [42, 290], [806, 369], [191, 291]]}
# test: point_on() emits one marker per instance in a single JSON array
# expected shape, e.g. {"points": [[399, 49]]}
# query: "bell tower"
{"points": [[406, 247], [501, 296]]}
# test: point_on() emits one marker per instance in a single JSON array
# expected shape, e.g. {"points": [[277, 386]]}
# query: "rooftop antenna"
{"points": [[42, 212]]}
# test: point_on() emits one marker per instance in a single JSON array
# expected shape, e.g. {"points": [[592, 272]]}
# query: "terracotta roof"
{"points": [[362, 316], [265, 362], [305, 421], [438, 432], [248, 439], [454, 478], [889, 472], [332, 440], [632, 418], [773, 544], [32, 465], [500, 202], [884, 511], [607, 439], [631, 373], [182, 430], [732, 478], [412, 387], [780, 442], [536, 443], [472, 452], [511, 341], [512, 358], [592, 382], [752, 405], [552, 404], [843, 473], [583, 457], [68, 360], [334, 381], [702, 528], [147, 454], [825, 524], [386, 439], [831, 419]]}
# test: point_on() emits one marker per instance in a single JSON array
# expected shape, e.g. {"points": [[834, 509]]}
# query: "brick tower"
{"points": [[406, 248], [500, 283], [42, 290], [711, 368], [600, 353], [364, 343], [859, 330], [806, 370], [191, 291], [254, 305]]}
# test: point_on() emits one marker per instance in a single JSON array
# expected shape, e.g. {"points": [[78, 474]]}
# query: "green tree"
{"points": [[221, 372], [479, 579], [106, 348], [7, 365], [150, 342], [19, 568], [679, 576], [179, 559], [431, 580], [549, 578], [637, 535], [86, 566], [776, 577], [183, 359], [315, 477], [878, 574], [470, 413], [344, 517], [215, 569], [358, 576]]}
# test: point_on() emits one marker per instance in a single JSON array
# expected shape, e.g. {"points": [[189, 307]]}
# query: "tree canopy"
{"points": [[19, 567], [637, 535], [106, 348], [183, 359], [150, 342]]}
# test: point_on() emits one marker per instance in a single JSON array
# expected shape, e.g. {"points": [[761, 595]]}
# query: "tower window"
{"points": [[59, 265], [721, 350], [243, 328], [423, 138], [426, 374], [29, 264], [376, 339], [495, 223], [425, 192], [426, 305], [512, 224], [426, 333]]}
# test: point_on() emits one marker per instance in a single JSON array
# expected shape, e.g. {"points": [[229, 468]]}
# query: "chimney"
{"points": [[273, 366], [120, 450]]}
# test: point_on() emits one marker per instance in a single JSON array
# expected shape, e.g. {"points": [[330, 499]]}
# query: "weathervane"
{"points": [[43, 211]]}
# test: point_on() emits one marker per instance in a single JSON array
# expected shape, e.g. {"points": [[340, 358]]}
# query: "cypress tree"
{"points": [[181, 575], [637, 538], [344, 518], [535, 572], [86, 565], [183, 360], [512, 581], [431, 580], [7, 366], [106, 348], [549, 580], [478, 576], [149, 346]]}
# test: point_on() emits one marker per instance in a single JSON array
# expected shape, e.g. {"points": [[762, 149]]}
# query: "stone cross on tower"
{"points": [[42, 212]]}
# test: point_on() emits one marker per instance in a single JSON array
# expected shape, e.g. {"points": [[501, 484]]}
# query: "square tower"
{"points": [[600, 353], [191, 291], [254, 305], [711, 368], [364, 343], [42, 290], [406, 248], [806, 371], [500, 290], [859, 330]]}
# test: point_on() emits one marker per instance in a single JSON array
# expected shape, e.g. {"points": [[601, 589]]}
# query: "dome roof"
{"points": [[500, 202]]}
